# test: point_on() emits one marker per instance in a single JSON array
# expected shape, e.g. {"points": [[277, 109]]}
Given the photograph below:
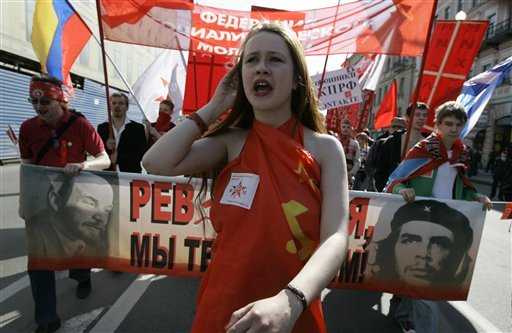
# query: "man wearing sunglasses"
{"points": [[57, 137]]}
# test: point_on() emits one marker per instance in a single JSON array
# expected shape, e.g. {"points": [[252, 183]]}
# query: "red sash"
{"points": [[259, 250]]}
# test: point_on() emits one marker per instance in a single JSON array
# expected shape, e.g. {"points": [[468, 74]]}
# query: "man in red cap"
{"points": [[57, 137]]}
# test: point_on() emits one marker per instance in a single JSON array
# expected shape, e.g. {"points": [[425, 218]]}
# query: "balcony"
{"points": [[498, 33]]}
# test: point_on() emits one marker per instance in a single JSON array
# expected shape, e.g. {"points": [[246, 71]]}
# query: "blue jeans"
{"points": [[43, 292], [422, 313]]}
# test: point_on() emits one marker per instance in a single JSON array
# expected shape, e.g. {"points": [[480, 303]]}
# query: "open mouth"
{"points": [[262, 88], [421, 273]]}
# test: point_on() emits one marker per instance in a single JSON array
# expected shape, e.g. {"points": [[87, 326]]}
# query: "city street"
{"points": [[123, 302]]}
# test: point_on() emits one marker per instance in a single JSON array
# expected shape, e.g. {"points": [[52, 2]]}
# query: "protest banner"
{"points": [[385, 27], [150, 224], [453, 48], [366, 107], [340, 88]]}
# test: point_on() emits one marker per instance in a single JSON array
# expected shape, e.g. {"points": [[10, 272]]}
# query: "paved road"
{"points": [[147, 303]]}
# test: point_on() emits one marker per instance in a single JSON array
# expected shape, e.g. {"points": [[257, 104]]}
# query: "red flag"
{"points": [[350, 112], [204, 71], [366, 106], [452, 49], [159, 23], [331, 120], [388, 108], [117, 12]]}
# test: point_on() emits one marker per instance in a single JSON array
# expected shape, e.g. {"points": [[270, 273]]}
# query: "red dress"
{"points": [[259, 250]]}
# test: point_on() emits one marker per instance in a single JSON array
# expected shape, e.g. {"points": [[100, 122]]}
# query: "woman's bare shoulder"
{"points": [[321, 145]]}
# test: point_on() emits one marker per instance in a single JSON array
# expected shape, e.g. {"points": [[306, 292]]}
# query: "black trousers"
{"points": [[42, 284]]}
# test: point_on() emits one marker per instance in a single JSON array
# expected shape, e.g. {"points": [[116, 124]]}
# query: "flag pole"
{"points": [[104, 58], [181, 52], [418, 84], [328, 50], [130, 90], [110, 59]]}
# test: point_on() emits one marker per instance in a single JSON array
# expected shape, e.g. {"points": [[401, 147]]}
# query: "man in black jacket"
{"points": [[129, 143], [505, 193], [387, 153]]}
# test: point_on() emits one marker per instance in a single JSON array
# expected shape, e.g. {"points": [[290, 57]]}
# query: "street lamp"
{"points": [[461, 16]]}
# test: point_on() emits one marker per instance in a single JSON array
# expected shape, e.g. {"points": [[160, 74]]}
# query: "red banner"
{"points": [[452, 49], [336, 116], [204, 71], [366, 107], [396, 27]]}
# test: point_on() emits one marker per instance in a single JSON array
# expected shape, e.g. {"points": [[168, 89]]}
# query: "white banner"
{"points": [[339, 88], [150, 224]]}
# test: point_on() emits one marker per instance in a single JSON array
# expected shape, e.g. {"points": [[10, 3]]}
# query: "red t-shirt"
{"points": [[78, 139]]}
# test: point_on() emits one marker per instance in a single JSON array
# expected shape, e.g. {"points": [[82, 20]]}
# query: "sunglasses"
{"points": [[396, 127], [44, 101]]}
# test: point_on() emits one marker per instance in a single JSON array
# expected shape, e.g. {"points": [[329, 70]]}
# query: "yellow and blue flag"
{"points": [[58, 36]]}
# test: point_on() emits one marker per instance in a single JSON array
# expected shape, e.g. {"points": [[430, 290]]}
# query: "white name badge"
{"points": [[240, 190]]}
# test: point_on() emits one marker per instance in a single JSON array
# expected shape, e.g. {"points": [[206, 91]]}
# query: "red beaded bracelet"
{"points": [[199, 122]]}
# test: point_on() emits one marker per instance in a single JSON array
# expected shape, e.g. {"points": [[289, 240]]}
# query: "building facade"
{"points": [[493, 131]]}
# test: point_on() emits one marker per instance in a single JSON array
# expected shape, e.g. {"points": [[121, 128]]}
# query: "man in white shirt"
{"points": [[129, 143]]}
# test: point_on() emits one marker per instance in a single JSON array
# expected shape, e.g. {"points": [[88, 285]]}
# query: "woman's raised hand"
{"points": [[225, 93]]}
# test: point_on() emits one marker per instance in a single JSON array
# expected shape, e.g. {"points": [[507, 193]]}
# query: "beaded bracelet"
{"points": [[300, 295], [199, 122]]}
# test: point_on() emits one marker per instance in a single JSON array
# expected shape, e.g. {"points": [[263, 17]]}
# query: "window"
{"points": [[29, 17], [475, 3], [447, 13], [492, 24], [460, 5]]}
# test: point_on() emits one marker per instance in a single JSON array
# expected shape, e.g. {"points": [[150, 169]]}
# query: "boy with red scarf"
{"points": [[435, 167]]}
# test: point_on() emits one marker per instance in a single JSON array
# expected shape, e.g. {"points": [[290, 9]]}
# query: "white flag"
{"points": [[371, 76], [175, 93], [164, 78]]}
